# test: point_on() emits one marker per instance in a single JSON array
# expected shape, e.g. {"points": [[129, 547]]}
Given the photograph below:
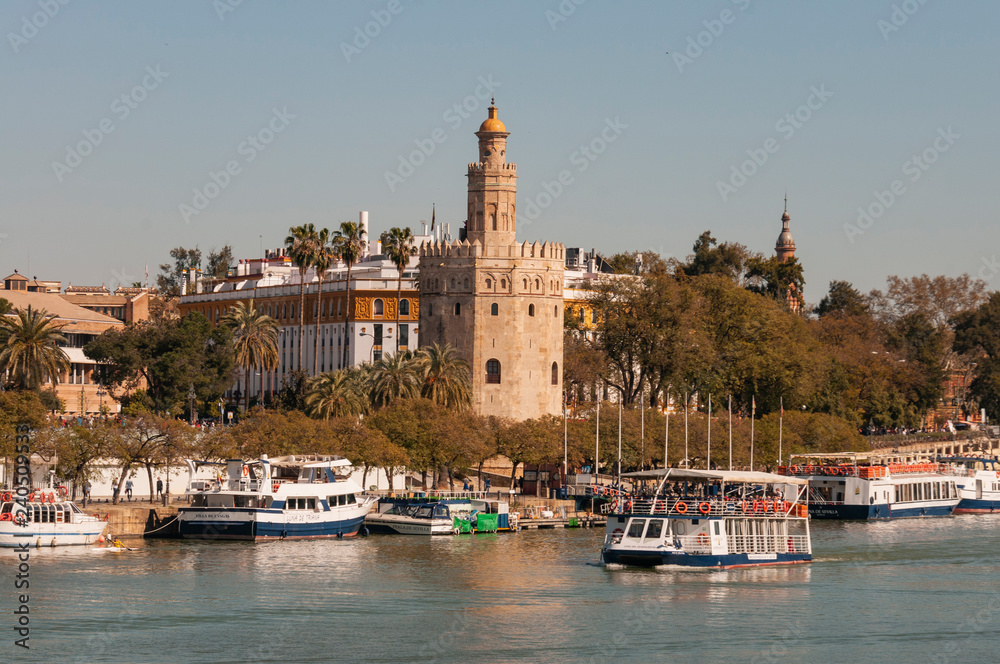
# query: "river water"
{"points": [[907, 591]]}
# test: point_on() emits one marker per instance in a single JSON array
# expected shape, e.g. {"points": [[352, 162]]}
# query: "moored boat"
{"points": [[867, 486], [443, 513], [978, 481], [715, 519], [412, 519], [275, 499], [46, 518]]}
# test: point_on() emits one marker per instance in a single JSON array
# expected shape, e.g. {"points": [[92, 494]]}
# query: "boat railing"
{"points": [[429, 495], [864, 472], [695, 507], [693, 543], [768, 544]]}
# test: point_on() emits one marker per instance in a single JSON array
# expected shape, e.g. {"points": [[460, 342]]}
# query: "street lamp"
{"points": [[371, 354], [101, 393], [222, 410]]}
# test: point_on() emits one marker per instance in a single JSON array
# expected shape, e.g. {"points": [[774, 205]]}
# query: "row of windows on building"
{"points": [[526, 284], [286, 311], [494, 309], [493, 372]]}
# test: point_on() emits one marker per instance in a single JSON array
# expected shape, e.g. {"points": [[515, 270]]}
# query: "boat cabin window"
{"points": [[635, 529], [717, 528], [301, 504], [350, 499], [441, 512], [654, 529], [423, 512]]}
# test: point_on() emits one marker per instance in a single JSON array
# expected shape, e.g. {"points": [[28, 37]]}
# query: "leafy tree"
{"points": [[776, 279], [303, 245], [169, 355], [168, 282], [77, 448], [18, 407], [30, 352], [939, 298], [219, 262], [348, 243], [637, 263], [256, 340], [729, 259], [395, 377], [334, 394], [397, 245], [445, 377], [977, 332], [5, 306], [843, 300], [147, 442]]}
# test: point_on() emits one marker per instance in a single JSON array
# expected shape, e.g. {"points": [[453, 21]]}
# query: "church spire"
{"points": [[785, 246]]}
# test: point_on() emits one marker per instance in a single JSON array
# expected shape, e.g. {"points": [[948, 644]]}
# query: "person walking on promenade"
{"points": [[86, 492], [114, 490], [128, 489], [159, 487]]}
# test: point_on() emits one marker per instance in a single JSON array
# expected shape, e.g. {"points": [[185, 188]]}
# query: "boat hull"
{"points": [[388, 526], [50, 534], [634, 558], [973, 506], [259, 525], [877, 512]]}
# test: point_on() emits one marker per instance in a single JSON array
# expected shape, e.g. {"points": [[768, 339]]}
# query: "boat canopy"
{"points": [[727, 476]]}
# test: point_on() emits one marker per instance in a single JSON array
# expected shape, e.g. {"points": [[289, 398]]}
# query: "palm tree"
{"points": [[348, 243], [445, 377], [395, 377], [29, 348], [322, 261], [301, 243], [256, 340], [334, 394], [397, 245]]}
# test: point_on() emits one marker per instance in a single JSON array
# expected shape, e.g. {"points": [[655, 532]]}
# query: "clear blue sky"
{"points": [[558, 82]]}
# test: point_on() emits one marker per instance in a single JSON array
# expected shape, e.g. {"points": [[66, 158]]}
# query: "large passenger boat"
{"points": [[702, 518], [282, 498], [47, 518], [978, 481], [873, 486]]}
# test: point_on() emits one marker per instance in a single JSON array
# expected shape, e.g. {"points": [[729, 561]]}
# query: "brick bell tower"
{"points": [[497, 301]]}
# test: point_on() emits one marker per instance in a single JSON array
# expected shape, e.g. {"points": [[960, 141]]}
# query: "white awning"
{"points": [[76, 355], [727, 476]]}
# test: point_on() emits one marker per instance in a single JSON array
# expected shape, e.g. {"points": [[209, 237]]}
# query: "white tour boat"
{"points": [[441, 513], [295, 497], [709, 518], [412, 519], [866, 485], [46, 518], [978, 480]]}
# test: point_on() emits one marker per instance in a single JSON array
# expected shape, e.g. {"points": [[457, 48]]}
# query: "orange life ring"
{"points": [[20, 518], [274, 487], [628, 505], [31, 497], [5, 516], [246, 471], [7, 497], [796, 470], [745, 506], [681, 508], [756, 506], [704, 508], [63, 491], [703, 539], [52, 497]]}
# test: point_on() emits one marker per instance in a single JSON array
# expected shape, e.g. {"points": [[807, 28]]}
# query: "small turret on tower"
{"points": [[785, 246]]}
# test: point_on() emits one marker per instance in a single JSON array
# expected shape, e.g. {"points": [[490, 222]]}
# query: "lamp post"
{"points": [[371, 353], [101, 393], [222, 410]]}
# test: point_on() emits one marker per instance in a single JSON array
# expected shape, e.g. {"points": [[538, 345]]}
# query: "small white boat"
{"points": [[412, 519], [45, 519], [273, 499]]}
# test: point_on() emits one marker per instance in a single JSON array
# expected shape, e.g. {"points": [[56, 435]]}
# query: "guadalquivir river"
{"points": [[908, 591]]}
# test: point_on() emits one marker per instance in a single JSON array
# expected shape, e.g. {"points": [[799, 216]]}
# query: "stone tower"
{"points": [[784, 248], [497, 301]]}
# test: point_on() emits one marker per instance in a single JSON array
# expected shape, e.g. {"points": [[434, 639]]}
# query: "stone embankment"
{"points": [[135, 519]]}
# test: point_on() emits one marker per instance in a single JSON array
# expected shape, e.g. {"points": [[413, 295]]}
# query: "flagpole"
{"points": [[642, 429], [781, 417], [730, 432], [597, 441], [753, 413], [708, 456], [621, 398], [687, 464], [666, 431]]}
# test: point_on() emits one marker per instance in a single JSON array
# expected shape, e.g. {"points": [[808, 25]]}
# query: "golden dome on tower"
{"points": [[492, 123]]}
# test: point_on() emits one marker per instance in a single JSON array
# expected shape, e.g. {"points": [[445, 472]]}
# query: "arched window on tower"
{"points": [[494, 309], [531, 310], [489, 284], [493, 220], [555, 373], [465, 284], [525, 284], [555, 310], [538, 284], [503, 284], [458, 308], [493, 372], [404, 307]]}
